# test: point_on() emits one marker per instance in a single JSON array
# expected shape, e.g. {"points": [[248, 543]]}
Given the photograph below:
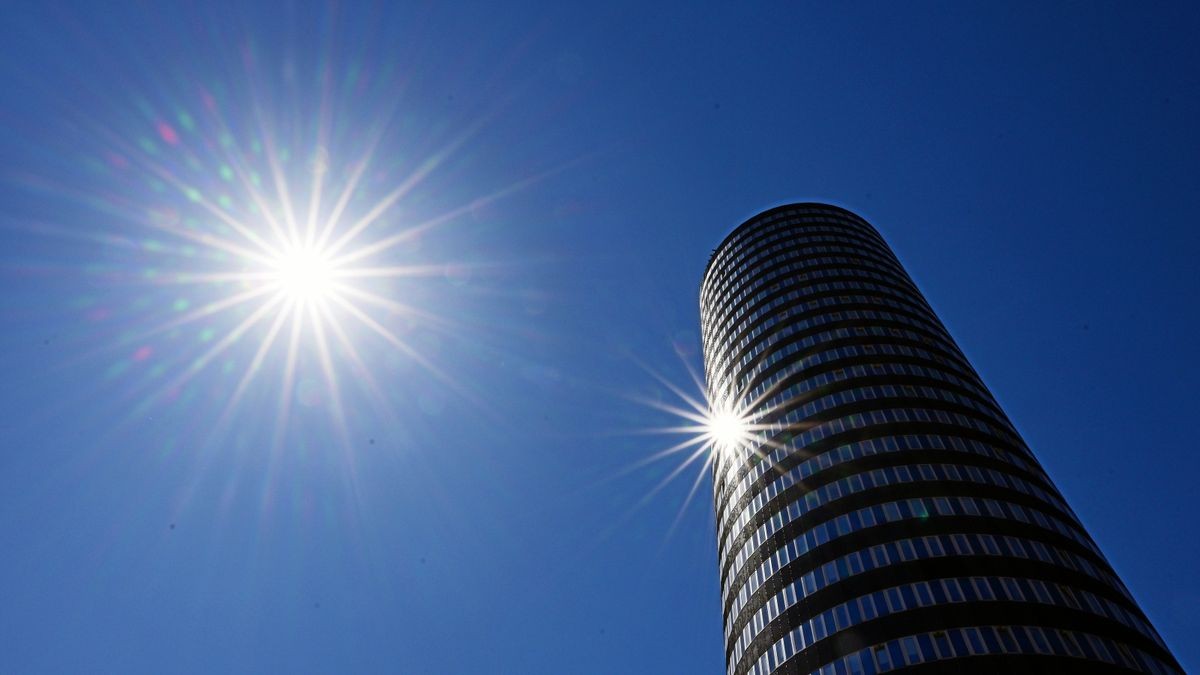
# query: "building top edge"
{"points": [[749, 222]]}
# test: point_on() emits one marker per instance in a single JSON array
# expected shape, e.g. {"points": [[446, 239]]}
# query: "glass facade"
{"points": [[888, 516]]}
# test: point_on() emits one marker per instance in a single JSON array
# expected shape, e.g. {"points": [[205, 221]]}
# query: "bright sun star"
{"points": [[726, 429], [304, 274]]}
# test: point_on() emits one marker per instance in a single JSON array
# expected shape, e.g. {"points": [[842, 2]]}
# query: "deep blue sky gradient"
{"points": [[1034, 166]]}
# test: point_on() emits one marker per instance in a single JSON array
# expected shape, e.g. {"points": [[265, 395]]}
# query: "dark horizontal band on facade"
{"points": [[957, 447], [739, 327], [933, 429], [941, 617], [856, 466], [826, 285], [912, 386], [828, 512], [921, 570], [784, 308], [804, 312], [755, 374], [884, 533], [1025, 664], [831, 318], [1007, 440], [859, 370]]}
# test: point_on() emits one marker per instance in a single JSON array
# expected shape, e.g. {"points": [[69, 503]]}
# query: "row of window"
{"points": [[856, 372], [896, 511], [743, 470], [800, 290], [872, 480], [735, 337], [873, 350], [797, 255], [918, 548], [743, 238], [907, 597], [718, 272], [854, 451], [785, 346], [801, 255], [734, 287], [763, 335], [860, 482], [789, 270], [849, 374], [801, 268], [749, 456], [844, 397], [820, 312], [955, 643], [832, 400], [776, 276], [801, 354]]}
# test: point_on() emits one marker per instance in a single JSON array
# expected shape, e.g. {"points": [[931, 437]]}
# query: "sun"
{"points": [[303, 274]]}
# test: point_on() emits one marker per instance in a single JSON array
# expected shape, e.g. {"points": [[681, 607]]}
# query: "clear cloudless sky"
{"points": [[479, 504]]}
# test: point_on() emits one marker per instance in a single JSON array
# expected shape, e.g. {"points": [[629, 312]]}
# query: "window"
{"points": [[912, 652], [882, 658]]}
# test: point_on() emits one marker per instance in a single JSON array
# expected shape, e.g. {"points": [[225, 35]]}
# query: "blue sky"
{"points": [[468, 497]]}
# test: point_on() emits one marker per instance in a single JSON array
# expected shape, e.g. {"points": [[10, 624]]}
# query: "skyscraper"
{"points": [[887, 515]]}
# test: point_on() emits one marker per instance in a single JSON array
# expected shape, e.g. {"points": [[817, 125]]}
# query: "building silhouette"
{"points": [[888, 516]]}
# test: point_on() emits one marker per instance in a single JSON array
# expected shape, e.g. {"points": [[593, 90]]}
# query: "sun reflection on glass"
{"points": [[715, 429], [726, 429]]}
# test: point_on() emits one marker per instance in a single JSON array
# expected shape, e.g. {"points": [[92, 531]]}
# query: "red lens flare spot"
{"points": [[167, 133]]}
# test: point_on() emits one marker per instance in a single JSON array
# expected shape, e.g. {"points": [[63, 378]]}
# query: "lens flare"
{"points": [[304, 274], [262, 243], [718, 427], [726, 429]]}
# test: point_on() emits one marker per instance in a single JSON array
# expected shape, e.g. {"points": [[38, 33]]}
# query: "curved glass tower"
{"points": [[888, 516]]}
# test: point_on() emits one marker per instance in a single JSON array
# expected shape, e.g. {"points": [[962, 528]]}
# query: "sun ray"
{"points": [[413, 354], [195, 196], [214, 307], [704, 469], [360, 368], [393, 306], [256, 362], [244, 175], [335, 398], [214, 277], [666, 480], [422, 171], [386, 243], [224, 343], [391, 272], [320, 165], [284, 407]]}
